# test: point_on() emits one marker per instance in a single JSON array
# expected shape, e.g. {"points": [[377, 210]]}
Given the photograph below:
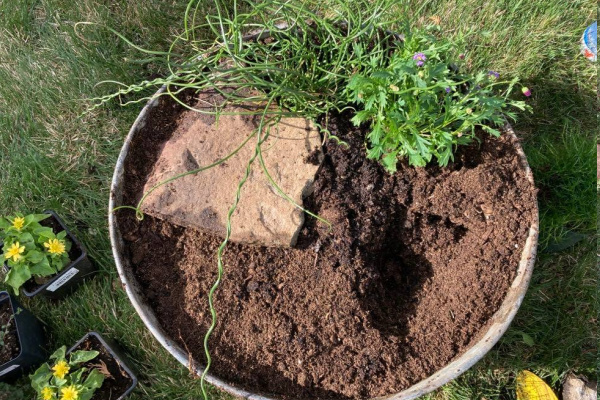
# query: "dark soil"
{"points": [[11, 348], [407, 279], [117, 382], [36, 282]]}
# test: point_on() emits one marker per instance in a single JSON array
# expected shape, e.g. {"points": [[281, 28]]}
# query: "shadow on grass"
{"points": [[559, 141]]}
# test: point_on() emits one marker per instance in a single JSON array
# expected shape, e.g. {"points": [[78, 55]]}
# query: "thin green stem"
{"points": [[238, 194]]}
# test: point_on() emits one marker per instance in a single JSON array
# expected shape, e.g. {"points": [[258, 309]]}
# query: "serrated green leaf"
{"points": [[381, 75], [444, 156], [390, 162], [422, 145], [491, 131], [360, 117]]}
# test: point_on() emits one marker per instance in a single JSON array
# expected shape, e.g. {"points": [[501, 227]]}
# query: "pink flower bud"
{"points": [[526, 91]]}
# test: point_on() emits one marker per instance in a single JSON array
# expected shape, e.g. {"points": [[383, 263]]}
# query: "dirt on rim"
{"points": [[408, 277], [11, 348], [118, 380]]}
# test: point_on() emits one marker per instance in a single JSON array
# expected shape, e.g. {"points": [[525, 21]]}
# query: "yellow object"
{"points": [[532, 387], [69, 393], [47, 393], [18, 223], [61, 369], [55, 246], [15, 251]]}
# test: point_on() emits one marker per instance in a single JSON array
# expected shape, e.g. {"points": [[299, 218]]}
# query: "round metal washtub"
{"points": [[499, 322]]}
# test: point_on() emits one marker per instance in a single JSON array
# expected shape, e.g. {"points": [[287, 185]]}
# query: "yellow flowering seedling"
{"points": [[67, 379], [30, 249]]}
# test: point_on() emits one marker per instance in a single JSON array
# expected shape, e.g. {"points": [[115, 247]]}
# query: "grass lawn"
{"points": [[52, 157]]}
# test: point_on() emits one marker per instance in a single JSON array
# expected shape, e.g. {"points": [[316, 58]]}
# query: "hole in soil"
{"points": [[432, 218], [467, 157], [392, 293], [459, 231]]}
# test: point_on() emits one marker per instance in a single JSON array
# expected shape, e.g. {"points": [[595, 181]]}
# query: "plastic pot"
{"points": [[113, 351], [30, 333], [71, 276]]}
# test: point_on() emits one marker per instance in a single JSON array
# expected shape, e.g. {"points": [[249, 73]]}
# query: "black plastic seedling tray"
{"points": [[30, 333]]}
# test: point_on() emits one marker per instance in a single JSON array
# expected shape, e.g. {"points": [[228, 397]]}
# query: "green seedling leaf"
{"points": [[82, 356], [43, 268], [40, 377], [17, 275], [59, 354], [44, 232], [94, 380], [86, 394], [35, 256], [26, 238], [528, 340]]}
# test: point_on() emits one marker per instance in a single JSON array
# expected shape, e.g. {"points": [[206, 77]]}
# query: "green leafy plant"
{"points": [[67, 380], [30, 249], [421, 106]]}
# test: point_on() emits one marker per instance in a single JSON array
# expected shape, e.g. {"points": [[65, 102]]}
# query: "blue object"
{"points": [[589, 42]]}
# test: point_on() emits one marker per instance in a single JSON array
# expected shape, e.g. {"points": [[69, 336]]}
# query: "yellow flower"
{"points": [[18, 223], [61, 369], [69, 393], [15, 252], [47, 393], [55, 246]]}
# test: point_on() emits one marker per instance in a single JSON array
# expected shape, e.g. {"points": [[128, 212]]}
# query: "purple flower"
{"points": [[494, 74], [420, 59], [526, 91], [419, 56], [448, 90]]}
